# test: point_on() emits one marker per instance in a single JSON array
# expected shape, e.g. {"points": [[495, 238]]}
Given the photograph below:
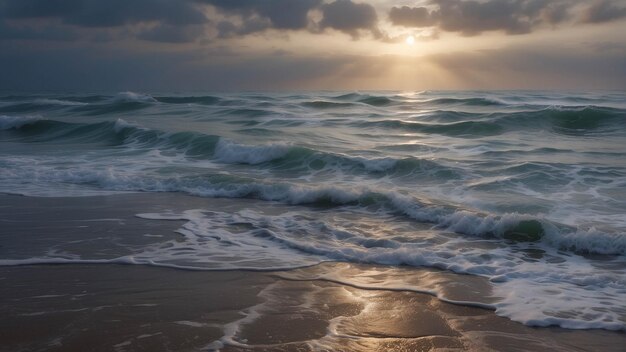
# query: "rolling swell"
{"points": [[111, 133], [376, 101], [568, 119], [320, 104], [465, 101], [560, 120], [282, 157], [467, 129], [516, 228], [274, 156], [203, 100]]}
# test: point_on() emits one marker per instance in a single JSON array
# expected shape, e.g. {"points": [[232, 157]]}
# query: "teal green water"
{"points": [[471, 181]]}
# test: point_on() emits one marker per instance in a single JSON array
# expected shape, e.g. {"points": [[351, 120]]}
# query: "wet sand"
{"points": [[110, 307], [141, 308]]}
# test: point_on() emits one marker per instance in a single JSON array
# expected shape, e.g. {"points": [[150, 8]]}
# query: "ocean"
{"points": [[526, 189]]}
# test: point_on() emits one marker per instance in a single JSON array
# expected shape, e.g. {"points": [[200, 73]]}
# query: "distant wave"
{"points": [[59, 102], [230, 152], [467, 129], [560, 120], [192, 144], [573, 118], [134, 97], [16, 122], [203, 100], [348, 100], [376, 101], [465, 101], [320, 104]]}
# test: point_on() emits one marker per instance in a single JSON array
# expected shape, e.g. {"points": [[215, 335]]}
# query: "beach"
{"points": [[313, 175], [324, 221], [104, 306]]}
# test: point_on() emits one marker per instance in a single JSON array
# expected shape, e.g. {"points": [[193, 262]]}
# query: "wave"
{"points": [[132, 97], [467, 129], [16, 122], [584, 118], [509, 226], [202, 100], [110, 133], [559, 120], [320, 104], [376, 101], [59, 102], [465, 101], [278, 155], [231, 152], [348, 96], [566, 118], [245, 112], [373, 100]]}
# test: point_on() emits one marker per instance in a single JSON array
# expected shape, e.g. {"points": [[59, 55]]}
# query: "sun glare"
{"points": [[410, 40]]}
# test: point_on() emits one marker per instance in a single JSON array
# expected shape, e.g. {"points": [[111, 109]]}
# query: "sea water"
{"points": [[524, 188]]}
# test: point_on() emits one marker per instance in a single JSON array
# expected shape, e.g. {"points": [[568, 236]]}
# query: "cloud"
{"points": [[349, 17], [603, 11], [181, 21], [256, 16], [411, 16], [472, 17], [110, 13], [228, 29], [282, 14]]}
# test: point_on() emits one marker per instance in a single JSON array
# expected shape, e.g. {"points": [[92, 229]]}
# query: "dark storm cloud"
{"points": [[349, 17], [109, 13], [227, 29], [282, 14], [342, 15], [411, 16], [181, 21], [472, 17], [603, 11]]}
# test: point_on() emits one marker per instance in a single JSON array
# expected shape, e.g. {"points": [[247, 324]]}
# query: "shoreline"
{"points": [[127, 307]]}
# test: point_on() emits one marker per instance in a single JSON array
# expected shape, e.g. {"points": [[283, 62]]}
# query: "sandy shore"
{"points": [[109, 307]]}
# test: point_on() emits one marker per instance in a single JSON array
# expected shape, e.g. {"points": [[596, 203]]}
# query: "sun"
{"points": [[410, 40]]}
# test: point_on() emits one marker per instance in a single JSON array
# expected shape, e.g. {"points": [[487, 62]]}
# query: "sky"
{"points": [[278, 45]]}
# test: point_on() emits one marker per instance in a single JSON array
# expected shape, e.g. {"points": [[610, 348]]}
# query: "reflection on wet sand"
{"points": [[328, 307]]}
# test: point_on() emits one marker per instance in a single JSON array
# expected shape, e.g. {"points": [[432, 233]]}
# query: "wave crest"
{"points": [[16, 122], [230, 152]]}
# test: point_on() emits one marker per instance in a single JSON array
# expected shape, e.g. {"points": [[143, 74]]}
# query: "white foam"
{"points": [[121, 124], [550, 289], [10, 122], [533, 283], [59, 102], [231, 152], [134, 97], [130, 178]]}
